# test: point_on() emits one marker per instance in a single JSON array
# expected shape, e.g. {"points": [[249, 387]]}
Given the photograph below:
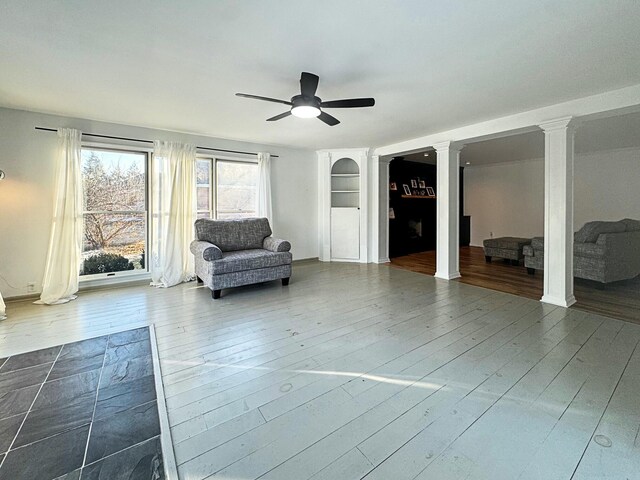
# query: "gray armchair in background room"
{"points": [[603, 252], [231, 253]]}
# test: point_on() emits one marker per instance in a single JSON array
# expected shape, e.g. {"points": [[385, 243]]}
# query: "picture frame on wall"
{"points": [[414, 183], [422, 184], [407, 190], [430, 192], [393, 186]]}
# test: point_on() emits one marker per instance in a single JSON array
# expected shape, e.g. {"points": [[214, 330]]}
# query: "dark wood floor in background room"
{"points": [[619, 300]]}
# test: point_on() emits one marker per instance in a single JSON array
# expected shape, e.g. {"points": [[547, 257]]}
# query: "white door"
{"points": [[345, 233]]}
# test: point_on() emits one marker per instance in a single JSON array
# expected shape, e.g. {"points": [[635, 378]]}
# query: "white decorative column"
{"points": [[448, 210], [374, 211], [380, 210], [558, 212], [324, 202], [364, 205]]}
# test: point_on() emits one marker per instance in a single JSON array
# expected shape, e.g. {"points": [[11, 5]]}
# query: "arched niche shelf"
{"points": [[345, 184]]}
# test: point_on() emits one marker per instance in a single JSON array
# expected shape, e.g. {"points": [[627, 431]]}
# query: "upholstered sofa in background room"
{"points": [[603, 252], [231, 253]]}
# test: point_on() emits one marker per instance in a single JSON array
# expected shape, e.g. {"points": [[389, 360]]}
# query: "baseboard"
{"points": [[560, 302], [451, 276], [101, 284], [305, 260], [21, 298], [85, 288]]}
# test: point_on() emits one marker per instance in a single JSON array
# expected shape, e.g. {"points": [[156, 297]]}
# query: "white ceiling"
{"points": [[432, 65]]}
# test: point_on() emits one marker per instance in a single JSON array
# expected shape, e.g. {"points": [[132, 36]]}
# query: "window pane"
{"points": [[204, 198], [202, 172], [113, 242], [203, 215], [113, 180], [236, 189]]}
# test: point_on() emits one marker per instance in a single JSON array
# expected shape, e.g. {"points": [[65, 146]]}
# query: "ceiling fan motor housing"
{"points": [[304, 101]]}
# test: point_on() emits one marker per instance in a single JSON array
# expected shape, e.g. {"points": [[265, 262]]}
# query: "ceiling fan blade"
{"points": [[328, 119], [278, 117], [349, 103], [308, 84], [266, 99]]}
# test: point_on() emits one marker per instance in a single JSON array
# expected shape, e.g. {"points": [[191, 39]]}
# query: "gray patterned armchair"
{"points": [[231, 253], [603, 252]]}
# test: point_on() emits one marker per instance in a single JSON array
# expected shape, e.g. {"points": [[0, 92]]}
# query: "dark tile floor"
{"points": [[86, 409]]}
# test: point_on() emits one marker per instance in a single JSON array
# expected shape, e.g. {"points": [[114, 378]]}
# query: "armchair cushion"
{"points": [[242, 260], [631, 225], [276, 245], [233, 235], [206, 250], [590, 232]]}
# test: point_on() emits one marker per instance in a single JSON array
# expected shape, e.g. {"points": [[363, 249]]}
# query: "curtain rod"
{"points": [[151, 141]]}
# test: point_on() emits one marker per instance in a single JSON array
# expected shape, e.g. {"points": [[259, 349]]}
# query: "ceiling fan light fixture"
{"points": [[305, 111], [307, 105]]}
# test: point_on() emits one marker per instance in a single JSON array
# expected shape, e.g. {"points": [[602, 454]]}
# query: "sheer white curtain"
{"points": [[263, 198], [61, 272], [173, 208]]}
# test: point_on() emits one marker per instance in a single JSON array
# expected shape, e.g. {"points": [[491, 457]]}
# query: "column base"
{"points": [[559, 301], [450, 276]]}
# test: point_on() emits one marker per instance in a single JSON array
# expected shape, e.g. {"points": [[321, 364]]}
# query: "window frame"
{"points": [[213, 179], [212, 182], [130, 274]]}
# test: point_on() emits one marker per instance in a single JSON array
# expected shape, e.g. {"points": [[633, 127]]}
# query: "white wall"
{"points": [[27, 157], [607, 186], [508, 198]]}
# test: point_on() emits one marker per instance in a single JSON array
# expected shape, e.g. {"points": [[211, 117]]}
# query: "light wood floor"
{"points": [[618, 300], [368, 371]]}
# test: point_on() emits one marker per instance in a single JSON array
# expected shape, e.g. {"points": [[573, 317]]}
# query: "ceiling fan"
{"points": [[307, 105]]}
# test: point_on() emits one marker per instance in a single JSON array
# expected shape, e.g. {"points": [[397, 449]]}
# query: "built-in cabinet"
{"points": [[342, 204], [345, 210]]}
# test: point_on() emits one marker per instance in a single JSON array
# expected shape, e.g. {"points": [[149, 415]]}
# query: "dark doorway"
{"points": [[412, 207]]}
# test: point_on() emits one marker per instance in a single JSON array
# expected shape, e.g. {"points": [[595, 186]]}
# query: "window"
{"points": [[203, 188], [235, 191], [115, 211]]}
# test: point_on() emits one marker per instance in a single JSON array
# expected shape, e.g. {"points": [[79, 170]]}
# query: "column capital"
{"points": [[559, 124], [448, 145]]}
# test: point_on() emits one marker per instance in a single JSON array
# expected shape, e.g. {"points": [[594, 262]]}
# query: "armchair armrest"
{"points": [[206, 250], [276, 245]]}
